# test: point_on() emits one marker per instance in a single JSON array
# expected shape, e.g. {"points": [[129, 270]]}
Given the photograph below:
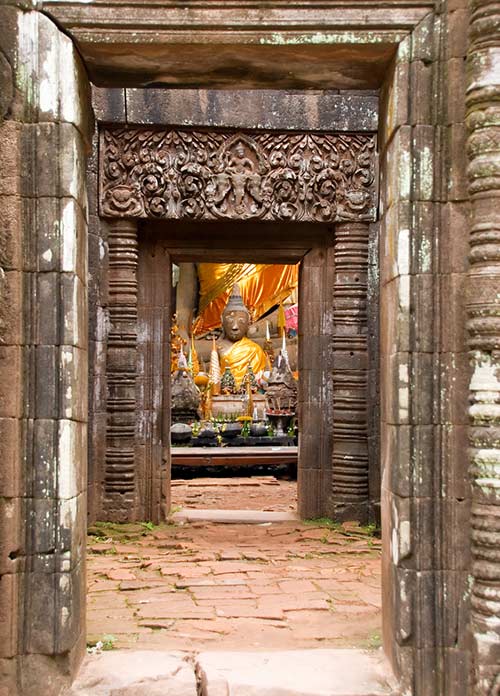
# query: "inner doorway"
{"points": [[234, 378], [163, 245]]}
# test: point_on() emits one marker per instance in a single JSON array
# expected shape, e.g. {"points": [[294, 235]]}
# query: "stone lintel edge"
{"points": [[350, 112], [281, 23]]}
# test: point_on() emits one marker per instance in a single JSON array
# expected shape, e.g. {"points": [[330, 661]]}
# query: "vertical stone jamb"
{"points": [[153, 378], [315, 385], [44, 109], [350, 373], [483, 305], [120, 476]]}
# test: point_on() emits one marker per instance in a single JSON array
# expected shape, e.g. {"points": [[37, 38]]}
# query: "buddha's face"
{"points": [[235, 324]]}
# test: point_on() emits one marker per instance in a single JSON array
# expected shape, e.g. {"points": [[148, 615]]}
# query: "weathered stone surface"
{"points": [[11, 475], [135, 673], [11, 232], [11, 386], [299, 48], [261, 109], [294, 673], [9, 591], [6, 86], [10, 163]]}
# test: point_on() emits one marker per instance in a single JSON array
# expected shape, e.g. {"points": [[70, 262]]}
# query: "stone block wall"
{"points": [[424, 364], [44, 137]]}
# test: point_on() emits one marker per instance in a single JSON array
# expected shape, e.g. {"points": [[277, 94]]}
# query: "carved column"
{"points": [[350, 373], [483, 303], [119, 476]]}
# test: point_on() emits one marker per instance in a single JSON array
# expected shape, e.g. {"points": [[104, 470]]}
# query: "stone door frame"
{"points": [[418, 638], [333, 478], [427, 568]]}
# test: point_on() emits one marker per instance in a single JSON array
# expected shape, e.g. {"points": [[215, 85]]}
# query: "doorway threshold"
{"points": [[233, 516], [322, 672]]}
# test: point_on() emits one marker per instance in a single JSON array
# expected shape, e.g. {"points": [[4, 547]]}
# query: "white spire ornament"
{"points": [[284, 351], [214, 374], [182, 362]]}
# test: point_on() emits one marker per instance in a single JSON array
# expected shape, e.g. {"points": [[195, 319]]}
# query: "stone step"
{"points": [[233, 516], [334, 672], [136, 673], [326, 672]]}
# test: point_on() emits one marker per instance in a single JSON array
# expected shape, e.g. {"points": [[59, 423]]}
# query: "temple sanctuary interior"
{"points": [[234, 370]]}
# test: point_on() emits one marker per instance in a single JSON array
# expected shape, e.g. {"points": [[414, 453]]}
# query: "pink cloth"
{"points": [[292, 317]]}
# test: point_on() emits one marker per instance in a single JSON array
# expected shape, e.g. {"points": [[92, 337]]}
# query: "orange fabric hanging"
{"points": [[261, 285]]}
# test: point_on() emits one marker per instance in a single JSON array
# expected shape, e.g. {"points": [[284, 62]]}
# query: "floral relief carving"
{"points": [[220, 175]]}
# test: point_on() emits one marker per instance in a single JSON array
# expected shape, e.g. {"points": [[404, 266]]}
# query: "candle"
{"points": [[268, 335]]}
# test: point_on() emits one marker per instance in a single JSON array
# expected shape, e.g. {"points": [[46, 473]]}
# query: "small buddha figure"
{"points": [[185, 397], [281, 393], [235, 349]]}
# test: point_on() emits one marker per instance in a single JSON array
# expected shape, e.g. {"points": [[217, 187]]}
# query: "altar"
{"points": [[244, 457], [234, 397]]}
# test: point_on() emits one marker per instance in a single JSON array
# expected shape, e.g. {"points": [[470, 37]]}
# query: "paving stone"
{"points": [[276, 600], [294, 673], [296, 586], [167, 610], [134, 585], [120, 575], [155, 625], [135, 673]]}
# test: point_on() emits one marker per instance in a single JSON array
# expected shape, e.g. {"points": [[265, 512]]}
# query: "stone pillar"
{"points": [[483, 305], [350, 373], [315, 385], [45, 132], [119, 500], [154, 275]]}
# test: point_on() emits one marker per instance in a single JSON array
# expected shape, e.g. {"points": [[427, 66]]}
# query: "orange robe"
{"points": [[261, 285], [239, 355]]}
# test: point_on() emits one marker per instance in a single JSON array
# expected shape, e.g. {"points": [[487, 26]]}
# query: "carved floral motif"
{"points": [[219, 175]]}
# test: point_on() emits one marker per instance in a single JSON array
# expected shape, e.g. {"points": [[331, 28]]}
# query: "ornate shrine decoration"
{"points": [[178, 174]]}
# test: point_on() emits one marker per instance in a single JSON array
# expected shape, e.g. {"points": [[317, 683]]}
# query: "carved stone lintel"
{"points": [[350, 375], [237, 176], [483, 120], [121, 370]]}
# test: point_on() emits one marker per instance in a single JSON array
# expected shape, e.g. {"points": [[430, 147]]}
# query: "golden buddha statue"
{"points": [[235, 349]]}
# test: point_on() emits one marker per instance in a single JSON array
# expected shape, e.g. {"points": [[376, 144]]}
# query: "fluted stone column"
{"points": [[121, 370], [350, 373], [483, 302]]}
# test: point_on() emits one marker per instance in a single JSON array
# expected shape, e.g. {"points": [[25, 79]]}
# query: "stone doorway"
{"points": [[314, 246], [228, 452], [279, 191], [418, 51]]}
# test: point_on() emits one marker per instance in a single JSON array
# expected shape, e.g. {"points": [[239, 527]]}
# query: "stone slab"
{"points": [[233, 516], [293, 673], [135, 673], [243, 109]]}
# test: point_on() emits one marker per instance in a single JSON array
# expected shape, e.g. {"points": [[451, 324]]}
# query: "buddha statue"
{"points": [[235, 349]]}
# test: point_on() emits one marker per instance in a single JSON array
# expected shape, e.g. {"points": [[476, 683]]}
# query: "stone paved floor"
{"points": [[204, 586], [265, 492]]}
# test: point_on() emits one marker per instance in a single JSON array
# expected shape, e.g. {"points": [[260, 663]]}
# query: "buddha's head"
{"points": [[235, 317]]}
